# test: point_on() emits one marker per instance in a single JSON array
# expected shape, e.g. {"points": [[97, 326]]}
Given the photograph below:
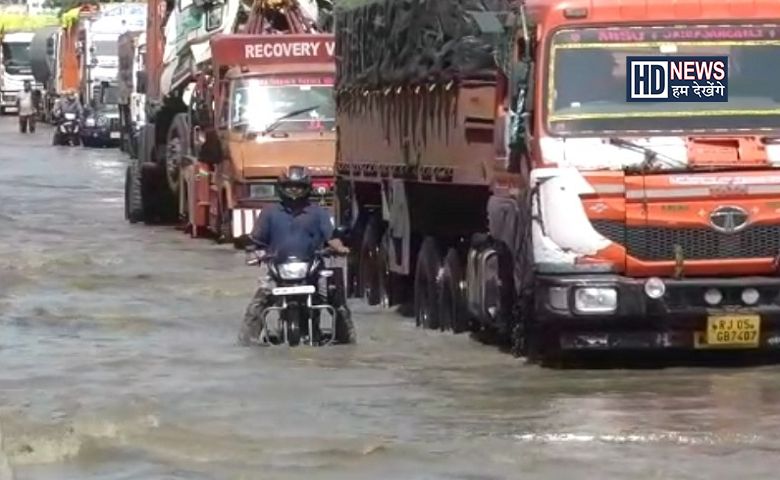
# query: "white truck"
{"points": [[15, 68], [98, 45]]}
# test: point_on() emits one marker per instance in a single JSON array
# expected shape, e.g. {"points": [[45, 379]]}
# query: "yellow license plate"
{"points": [[733, 330]]}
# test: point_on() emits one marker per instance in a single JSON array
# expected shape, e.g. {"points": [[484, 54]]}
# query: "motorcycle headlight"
{"points": [[90, 122], [292, 270]]}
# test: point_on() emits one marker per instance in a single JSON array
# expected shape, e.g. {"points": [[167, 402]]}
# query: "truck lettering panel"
{"points": [[272, 49], [289, 50]]}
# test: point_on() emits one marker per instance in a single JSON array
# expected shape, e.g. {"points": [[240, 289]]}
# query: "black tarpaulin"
{"points": [[394, 42]]}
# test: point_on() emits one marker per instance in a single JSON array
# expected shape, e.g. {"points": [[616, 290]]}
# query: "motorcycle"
{"points": [[303, 289], [67, 130]]}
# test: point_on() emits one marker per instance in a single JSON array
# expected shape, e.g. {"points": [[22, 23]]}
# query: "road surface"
{"points": [[118, 360]]}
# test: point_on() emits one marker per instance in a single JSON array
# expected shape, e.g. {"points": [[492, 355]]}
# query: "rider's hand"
{"points": [[344, 250]]}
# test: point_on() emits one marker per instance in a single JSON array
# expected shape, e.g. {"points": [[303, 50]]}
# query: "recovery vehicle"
{"points": [[275, 108], [499, 171]]}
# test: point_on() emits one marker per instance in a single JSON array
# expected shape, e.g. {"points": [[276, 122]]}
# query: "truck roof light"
{"points": [[575, 13]]}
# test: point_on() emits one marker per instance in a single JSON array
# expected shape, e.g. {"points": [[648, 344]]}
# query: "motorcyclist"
{"points": [[293, 227], [26, 106], [68, 104]]}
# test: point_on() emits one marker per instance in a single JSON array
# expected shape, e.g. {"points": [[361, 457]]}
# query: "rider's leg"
{"points": [[253, 328], [345, 329]]}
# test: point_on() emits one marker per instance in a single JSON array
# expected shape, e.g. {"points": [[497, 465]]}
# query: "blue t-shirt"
{"points": [[289, 232]]}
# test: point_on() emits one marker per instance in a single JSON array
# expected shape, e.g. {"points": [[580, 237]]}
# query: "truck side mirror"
{"points": [[140, 80]]}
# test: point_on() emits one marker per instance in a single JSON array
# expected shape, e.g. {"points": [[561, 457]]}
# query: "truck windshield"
{"points": [[110, 96], [587, 86], [105, 48], [258, 106], [16, 57]]}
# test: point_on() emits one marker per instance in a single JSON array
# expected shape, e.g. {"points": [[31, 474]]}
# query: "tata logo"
{"points": [[677, 79], [728, 219]]}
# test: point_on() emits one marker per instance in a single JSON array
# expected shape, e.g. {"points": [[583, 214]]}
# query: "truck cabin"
{"points": [[582, 76], [274, 114], [16, 54], [649, 174]]}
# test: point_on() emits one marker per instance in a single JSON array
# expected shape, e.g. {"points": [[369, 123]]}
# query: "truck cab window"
{"points": [[293, 107]]}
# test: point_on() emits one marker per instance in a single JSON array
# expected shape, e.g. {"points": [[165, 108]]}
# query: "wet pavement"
{"points": [[118, 360]]}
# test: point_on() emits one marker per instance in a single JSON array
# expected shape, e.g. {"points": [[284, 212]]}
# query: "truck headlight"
{"points": [[595, 300], [293, 270]]}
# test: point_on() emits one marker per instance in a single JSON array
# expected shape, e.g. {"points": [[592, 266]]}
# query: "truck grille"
{"points": [[113, 124], [658, 243]]}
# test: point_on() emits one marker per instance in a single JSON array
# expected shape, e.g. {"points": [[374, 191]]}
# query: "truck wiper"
{"points": [[273, 126], [651, 156]]}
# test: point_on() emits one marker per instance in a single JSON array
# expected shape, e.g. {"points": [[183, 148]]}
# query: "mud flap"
{"points": [[394, 201]]}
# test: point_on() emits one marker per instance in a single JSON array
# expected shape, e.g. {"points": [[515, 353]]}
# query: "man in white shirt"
{"points": [[26, 106]]}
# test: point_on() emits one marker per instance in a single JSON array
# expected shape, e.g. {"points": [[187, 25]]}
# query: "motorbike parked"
{"points": [[66, 132], [303, 289]]}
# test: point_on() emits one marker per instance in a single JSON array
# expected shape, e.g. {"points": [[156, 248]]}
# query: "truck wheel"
{"points": [[373, 271], [176, 148], [134, 209], [425, 302], [451, 304]]}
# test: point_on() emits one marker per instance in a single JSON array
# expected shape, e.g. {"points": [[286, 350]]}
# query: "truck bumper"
{"points": [[8, 101], [100, 135], [679, 319]]}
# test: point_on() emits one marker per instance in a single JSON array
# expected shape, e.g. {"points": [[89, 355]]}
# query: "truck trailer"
{"points": [[498, 170]]}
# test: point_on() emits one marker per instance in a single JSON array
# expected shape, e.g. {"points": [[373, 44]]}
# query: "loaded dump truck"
{"points": [[209, 156], [177, 48], [499, 170]]}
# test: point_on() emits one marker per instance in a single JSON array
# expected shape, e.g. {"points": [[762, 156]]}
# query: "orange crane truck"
{"points": [[499, 169]]}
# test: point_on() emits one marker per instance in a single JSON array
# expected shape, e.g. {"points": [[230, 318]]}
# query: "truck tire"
{"points": [[134, 208], [526, 337], [373, 277], [159, 206], [177, 147], [451, 301], [425, 299]]}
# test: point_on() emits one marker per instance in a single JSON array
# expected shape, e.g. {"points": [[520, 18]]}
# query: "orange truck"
{"points": [[528, 197], [54, 54], [274, 108]]}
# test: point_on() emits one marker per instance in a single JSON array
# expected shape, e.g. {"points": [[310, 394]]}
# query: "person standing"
{"points": [[25, 104]]}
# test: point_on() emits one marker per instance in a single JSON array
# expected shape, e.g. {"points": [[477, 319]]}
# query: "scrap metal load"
{"points": [[394, 42]]}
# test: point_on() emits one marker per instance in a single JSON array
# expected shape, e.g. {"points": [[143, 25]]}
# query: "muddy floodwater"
{"points": [[118, 361]]}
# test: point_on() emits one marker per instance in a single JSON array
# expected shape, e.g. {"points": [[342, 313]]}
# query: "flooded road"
{"points": [[118, 360]]}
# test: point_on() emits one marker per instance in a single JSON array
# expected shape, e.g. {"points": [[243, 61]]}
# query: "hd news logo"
{"points": [[677, 79]]}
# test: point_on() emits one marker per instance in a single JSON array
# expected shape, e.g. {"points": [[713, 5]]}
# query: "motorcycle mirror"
{"points": [[341, 232]]}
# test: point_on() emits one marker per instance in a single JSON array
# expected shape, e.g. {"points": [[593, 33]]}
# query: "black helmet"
{"points": [[295, 184]]}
